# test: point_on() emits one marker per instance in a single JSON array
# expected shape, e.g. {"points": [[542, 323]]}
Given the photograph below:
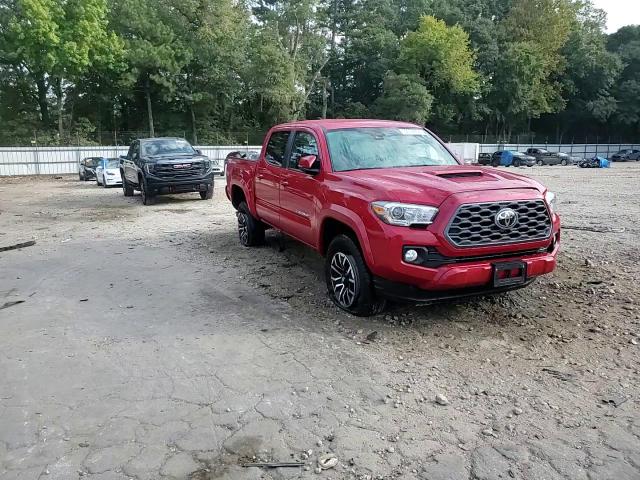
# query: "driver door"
{"points": [[300, 191]]}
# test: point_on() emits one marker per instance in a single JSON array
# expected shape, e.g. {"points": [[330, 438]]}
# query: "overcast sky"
{"points": [[620, 12]]}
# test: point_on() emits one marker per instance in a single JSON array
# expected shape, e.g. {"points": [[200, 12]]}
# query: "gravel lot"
{"points": [[151, 345]]}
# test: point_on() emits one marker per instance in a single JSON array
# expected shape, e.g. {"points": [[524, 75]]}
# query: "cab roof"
{"points": [[336, 124]]}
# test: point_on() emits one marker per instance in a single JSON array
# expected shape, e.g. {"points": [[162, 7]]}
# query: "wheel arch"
{"points": [[337, 222]]}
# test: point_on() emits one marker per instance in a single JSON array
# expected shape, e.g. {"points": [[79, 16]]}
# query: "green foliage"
{"points": [[441, 55], [405, 97], [214, 70]]}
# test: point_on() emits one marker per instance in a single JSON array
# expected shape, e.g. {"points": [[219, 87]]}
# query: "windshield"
{"points": [[387, 147], [113, 163], [167, 146], [92, 162]]}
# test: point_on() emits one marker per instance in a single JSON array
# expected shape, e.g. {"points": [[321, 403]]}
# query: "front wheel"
{"points": [[147, 197], [563, 163], [516, 163], [208, 193], [540, 163], [250, 229], [348, 279], [126, 188]]}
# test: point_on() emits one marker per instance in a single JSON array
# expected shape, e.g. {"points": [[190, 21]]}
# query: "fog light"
{"points": [[410, 256]]}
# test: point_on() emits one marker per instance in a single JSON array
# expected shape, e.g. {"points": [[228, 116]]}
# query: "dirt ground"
{"points": [[150, 345]]}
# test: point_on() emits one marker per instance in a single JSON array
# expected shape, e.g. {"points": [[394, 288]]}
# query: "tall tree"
{"points": [[442, 57], [57, 41], [626, 43]]}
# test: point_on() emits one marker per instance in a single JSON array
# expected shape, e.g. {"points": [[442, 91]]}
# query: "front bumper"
{"points": [[160, 186], [112, 180], [447, 271], [461, 279]]}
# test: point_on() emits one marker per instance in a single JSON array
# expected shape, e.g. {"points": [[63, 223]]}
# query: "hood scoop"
{"points": [[459, 174]]}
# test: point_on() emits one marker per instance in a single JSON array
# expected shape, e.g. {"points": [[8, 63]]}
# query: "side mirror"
{"points": [[309, 164], [198, 151]]}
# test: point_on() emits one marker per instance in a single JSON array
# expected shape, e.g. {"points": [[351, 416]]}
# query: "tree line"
{"points": [[209, 69]]}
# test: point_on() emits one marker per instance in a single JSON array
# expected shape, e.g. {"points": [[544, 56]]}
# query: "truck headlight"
{"points": [[551, 200], [149, 167], [404, 215]]}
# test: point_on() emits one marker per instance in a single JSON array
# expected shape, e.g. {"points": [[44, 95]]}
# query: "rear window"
{"points": [[276, 148]]}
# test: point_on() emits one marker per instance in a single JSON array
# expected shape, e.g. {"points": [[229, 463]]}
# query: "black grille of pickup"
{"points": [[179, 170], [474, 225]]}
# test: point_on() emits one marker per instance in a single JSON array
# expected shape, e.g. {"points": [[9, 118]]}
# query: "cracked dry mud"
{"points": [[193, 355]]}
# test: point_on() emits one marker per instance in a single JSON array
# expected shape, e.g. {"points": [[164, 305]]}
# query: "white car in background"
{"points": [[108, 172]]}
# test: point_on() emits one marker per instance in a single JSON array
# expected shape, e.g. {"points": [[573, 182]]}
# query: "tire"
{"points": [[348, 279], [80, 177], [516, 163], [495, 164], [126, 188], [104, 182], [563, 163], [250, 229], [208, 194], [146, 198], [539, 163]]}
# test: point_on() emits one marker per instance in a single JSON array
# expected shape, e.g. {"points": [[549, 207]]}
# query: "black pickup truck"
{"points": [[158, 166]]}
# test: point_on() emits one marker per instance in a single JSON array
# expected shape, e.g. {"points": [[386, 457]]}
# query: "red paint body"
{"points": [[300, 204]]}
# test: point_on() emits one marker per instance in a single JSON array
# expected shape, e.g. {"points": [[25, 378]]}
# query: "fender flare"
{"points": [[354, 222]]}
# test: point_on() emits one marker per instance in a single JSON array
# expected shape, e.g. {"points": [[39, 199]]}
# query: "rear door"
{"points": [[299, 190], [269, 173]]}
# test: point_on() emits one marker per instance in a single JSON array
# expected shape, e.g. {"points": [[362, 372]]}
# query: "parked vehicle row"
{"points": [[155, 166], [506, 158], [393, 211], [542, 156], [533, 156], [626, 155]]}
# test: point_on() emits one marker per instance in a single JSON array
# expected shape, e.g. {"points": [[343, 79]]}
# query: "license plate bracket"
{"points": [[508, 274]]}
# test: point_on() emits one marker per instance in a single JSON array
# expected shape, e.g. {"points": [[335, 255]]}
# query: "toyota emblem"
{"points": [[506, 218]]}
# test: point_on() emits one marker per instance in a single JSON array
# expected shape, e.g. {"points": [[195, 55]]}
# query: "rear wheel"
{"points": [[207, 194], [539, 163], [250, 229], [563, 162], [516, 162], [348, 279], [80, 177]]}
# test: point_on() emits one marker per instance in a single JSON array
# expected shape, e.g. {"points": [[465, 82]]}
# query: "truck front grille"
{"points": [[184, 170], [474, 225]]}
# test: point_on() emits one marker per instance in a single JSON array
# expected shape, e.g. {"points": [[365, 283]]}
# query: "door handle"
{"points": [[259, 177], [284, 184]]}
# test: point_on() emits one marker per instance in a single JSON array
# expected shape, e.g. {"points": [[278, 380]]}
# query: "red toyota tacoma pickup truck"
{"points": [[396, 216]]}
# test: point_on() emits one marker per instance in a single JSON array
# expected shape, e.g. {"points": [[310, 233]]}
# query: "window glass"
{"points": [[276, 148], [386, 147], [304, 144], [167, 146]]}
